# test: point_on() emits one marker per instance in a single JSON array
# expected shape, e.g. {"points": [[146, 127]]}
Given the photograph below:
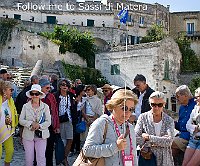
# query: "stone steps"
{"points": [[19, 74]]}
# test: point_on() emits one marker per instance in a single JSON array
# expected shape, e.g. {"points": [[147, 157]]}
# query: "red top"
{"points": [[50, 100]]}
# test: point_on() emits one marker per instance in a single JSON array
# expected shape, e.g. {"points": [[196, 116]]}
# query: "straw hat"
{"points": [[106, 86]]}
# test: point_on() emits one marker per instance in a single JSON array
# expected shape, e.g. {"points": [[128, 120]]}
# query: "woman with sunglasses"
{"points": [[8, 120], [93, 108], [120, 136], [36, 118], [67, 110], [155, 129]]}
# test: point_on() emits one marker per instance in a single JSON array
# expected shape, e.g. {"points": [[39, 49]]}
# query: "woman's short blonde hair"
{"points": [[118, 98], [4, 85]]}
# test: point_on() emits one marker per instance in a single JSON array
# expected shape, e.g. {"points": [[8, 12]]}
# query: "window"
{"points": [[166, 70], [90, 23], [17, 16], [115, 69], [190, 28], [141, 20], [129, 19], [51, 19], [137, 40]]}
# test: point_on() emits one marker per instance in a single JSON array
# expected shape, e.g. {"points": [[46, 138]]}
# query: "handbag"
{"points": [[38, 133], [82, 160], [63, 118], [59, 149], [81, 125], [146, 157], [146, 152]]}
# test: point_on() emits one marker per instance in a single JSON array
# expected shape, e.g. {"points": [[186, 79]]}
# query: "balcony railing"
{"points": [[191, 33]]}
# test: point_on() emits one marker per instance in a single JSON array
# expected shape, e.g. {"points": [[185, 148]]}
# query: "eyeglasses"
{"points": [[157, 104], [125, 108], [63, 84], [11, 90], [36, 94]]}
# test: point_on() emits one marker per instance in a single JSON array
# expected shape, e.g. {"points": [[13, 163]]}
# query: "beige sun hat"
{"points": [[107, 86], [35, 87]]}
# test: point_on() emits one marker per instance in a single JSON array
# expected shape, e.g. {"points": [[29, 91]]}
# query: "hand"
{"points": [[35, 126], [8, 121], [57, 131], [121, 142], [145, 136]]}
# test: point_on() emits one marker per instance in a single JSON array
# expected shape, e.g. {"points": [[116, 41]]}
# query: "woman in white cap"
{"points": [[36, 118]]}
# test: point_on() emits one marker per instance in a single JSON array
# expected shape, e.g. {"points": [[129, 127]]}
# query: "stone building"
{"points": [[159, 62], [189, 24], [91, 15]]}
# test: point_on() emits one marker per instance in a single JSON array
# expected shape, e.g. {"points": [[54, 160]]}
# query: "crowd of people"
{"points": [[48, 107]]}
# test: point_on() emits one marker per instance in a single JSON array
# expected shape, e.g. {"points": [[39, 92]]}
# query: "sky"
{"points": [[177, 5]]}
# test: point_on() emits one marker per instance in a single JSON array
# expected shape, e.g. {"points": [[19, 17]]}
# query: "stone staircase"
{"points": [[20, 74]]}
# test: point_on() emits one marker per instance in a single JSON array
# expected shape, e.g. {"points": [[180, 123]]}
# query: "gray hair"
{"points": [[158, 95], [184, 90]]}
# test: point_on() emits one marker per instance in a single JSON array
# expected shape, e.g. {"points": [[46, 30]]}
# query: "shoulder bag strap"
{"points": [[105, 132]]}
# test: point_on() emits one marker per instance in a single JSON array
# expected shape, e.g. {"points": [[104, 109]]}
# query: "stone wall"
{"points": [[148, 59], [26, 48]]}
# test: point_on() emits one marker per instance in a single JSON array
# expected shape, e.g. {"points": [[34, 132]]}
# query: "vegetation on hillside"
{"points": [[72, 40], [155, 33], [194, 84], [6, 28], [190, 61], [87, 75]]}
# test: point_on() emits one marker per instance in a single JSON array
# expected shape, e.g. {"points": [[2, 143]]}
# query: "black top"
{"points": [[145, 101]]}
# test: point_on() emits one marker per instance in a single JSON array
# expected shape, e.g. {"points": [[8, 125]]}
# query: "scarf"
{"points": [[14, 123]]}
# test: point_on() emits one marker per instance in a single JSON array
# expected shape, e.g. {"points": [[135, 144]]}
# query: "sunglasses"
{"points": [[125, 108], [63, 84], [9, 77], [11, 90], [157, 104], [36, 94], [196, 97], [104, 90]]}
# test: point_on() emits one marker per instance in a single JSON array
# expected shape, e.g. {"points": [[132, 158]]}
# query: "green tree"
{"points": [[155, 33], [72, 40], [190, 62], [194, 84], [87, 75]]}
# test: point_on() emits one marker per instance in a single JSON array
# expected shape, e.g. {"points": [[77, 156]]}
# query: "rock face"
{"points": [[159, 62], [26, 48]]}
